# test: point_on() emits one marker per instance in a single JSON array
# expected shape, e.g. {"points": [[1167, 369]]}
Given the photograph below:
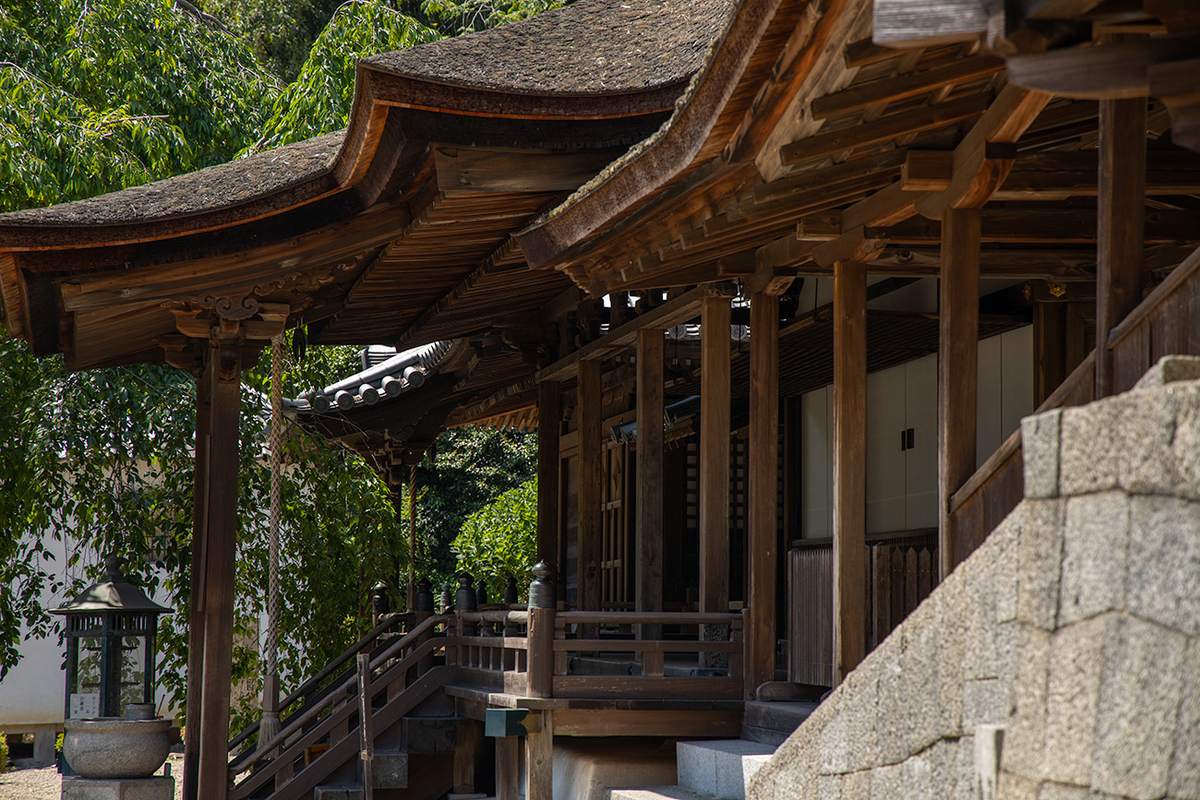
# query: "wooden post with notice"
{"points": [[366, 727]]}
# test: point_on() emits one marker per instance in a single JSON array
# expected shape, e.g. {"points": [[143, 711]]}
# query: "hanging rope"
{"points": [[269, 726]]}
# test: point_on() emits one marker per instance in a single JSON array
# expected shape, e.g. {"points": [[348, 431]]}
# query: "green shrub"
{"points": [[3, 752]]}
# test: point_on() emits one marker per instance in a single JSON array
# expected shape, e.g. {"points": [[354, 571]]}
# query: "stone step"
{"points": [[390, 769], [339, 793], [657, 793], [720, 768], [433, 736], [771, 722]]}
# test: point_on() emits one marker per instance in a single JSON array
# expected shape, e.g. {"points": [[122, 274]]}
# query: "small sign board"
{"points": [[85, 705]]}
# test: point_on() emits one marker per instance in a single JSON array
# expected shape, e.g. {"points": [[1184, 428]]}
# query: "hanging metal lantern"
{"points": [[110, 646]]}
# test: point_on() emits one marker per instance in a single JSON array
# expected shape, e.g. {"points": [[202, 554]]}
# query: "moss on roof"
{"points": [[589, 47], [219, 186]]}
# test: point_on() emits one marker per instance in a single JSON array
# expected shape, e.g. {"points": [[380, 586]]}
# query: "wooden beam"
{"points": [[1108, 71], [549, 463], [673, 312], [650, 389], [1120, 224], [762, 488], [220, 570], [714, 454], [883, 129], [1175, 84], [928, 23], [849, 472], [958, 341], [902, 87], [195, 684], [489, 169], [590, 513], [978, 170]]}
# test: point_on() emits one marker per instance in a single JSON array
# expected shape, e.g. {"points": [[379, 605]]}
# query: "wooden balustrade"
{"points": [[1166, 322]]}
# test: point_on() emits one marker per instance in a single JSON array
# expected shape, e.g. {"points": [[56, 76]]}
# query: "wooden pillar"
{"points": [[958, 356], [219, 573], [762, 489], [469, 735], [714, 453], [539, 758], [849, 466], [549, 428], [1049, 349], [508, 764], [412, 537], [191, 751], [1120, 224], [590, 513], [649, 469]]}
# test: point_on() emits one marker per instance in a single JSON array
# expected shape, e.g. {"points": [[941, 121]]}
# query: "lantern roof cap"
{"points": [[111, 593]]}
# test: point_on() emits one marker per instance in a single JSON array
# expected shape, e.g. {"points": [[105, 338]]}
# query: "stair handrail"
{"points": [[297, 721], [306, 688]]}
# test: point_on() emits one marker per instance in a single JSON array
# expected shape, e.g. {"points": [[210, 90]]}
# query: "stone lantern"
{"points": [[110, 647]]}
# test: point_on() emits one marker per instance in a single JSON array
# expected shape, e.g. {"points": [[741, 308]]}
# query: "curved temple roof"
{"points": [[589, 48], [396, 231]]}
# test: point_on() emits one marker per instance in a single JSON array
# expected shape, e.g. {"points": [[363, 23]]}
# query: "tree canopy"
{"points": [[106, 94]]}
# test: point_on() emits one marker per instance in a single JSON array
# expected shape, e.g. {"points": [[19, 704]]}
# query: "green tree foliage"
{"points": [[468, 468], [499, 541], [99, 95], [102, 95], [318, 101]]}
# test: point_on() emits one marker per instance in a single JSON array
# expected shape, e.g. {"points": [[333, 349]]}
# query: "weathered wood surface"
{"points": [[714, 454], [650, 484], [659, 722], [849, 477], [957, 367], [762, 490], [1120, 226], [549, 467], [224, 374], [810, 632], [590, 511]]}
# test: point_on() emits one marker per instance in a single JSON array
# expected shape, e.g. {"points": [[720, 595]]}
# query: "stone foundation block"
{"points": [[1072, 695], [156, 788], [1039, 449], [1090, 452], [339, 793], [1170, 369], [1039, 551], [1185, 761], [1164, 566], [1094, 556], [1139, 701]]}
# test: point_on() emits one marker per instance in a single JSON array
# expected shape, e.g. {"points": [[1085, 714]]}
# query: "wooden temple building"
{"points": [[775, 280]]}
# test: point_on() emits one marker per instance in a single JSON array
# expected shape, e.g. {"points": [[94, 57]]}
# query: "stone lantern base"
{"points": [[156, 788]]}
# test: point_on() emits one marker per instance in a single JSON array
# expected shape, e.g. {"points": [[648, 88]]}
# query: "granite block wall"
{"points": [[1061, 661]]}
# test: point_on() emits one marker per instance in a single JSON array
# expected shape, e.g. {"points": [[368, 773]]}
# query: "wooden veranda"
{"points": [[717, 223]]}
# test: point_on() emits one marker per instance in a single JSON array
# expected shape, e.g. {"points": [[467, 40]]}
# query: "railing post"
{"points": [[447, 598], [481, 595], [423, 610], [510, 592], [366, 717], [541, 632], [380, 607]]}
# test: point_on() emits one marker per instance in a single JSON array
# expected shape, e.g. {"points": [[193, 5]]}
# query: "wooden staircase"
{"points": [[319, 751]]}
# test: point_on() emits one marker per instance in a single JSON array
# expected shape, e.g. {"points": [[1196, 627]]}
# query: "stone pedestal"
{"points": [[156, 788]]}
